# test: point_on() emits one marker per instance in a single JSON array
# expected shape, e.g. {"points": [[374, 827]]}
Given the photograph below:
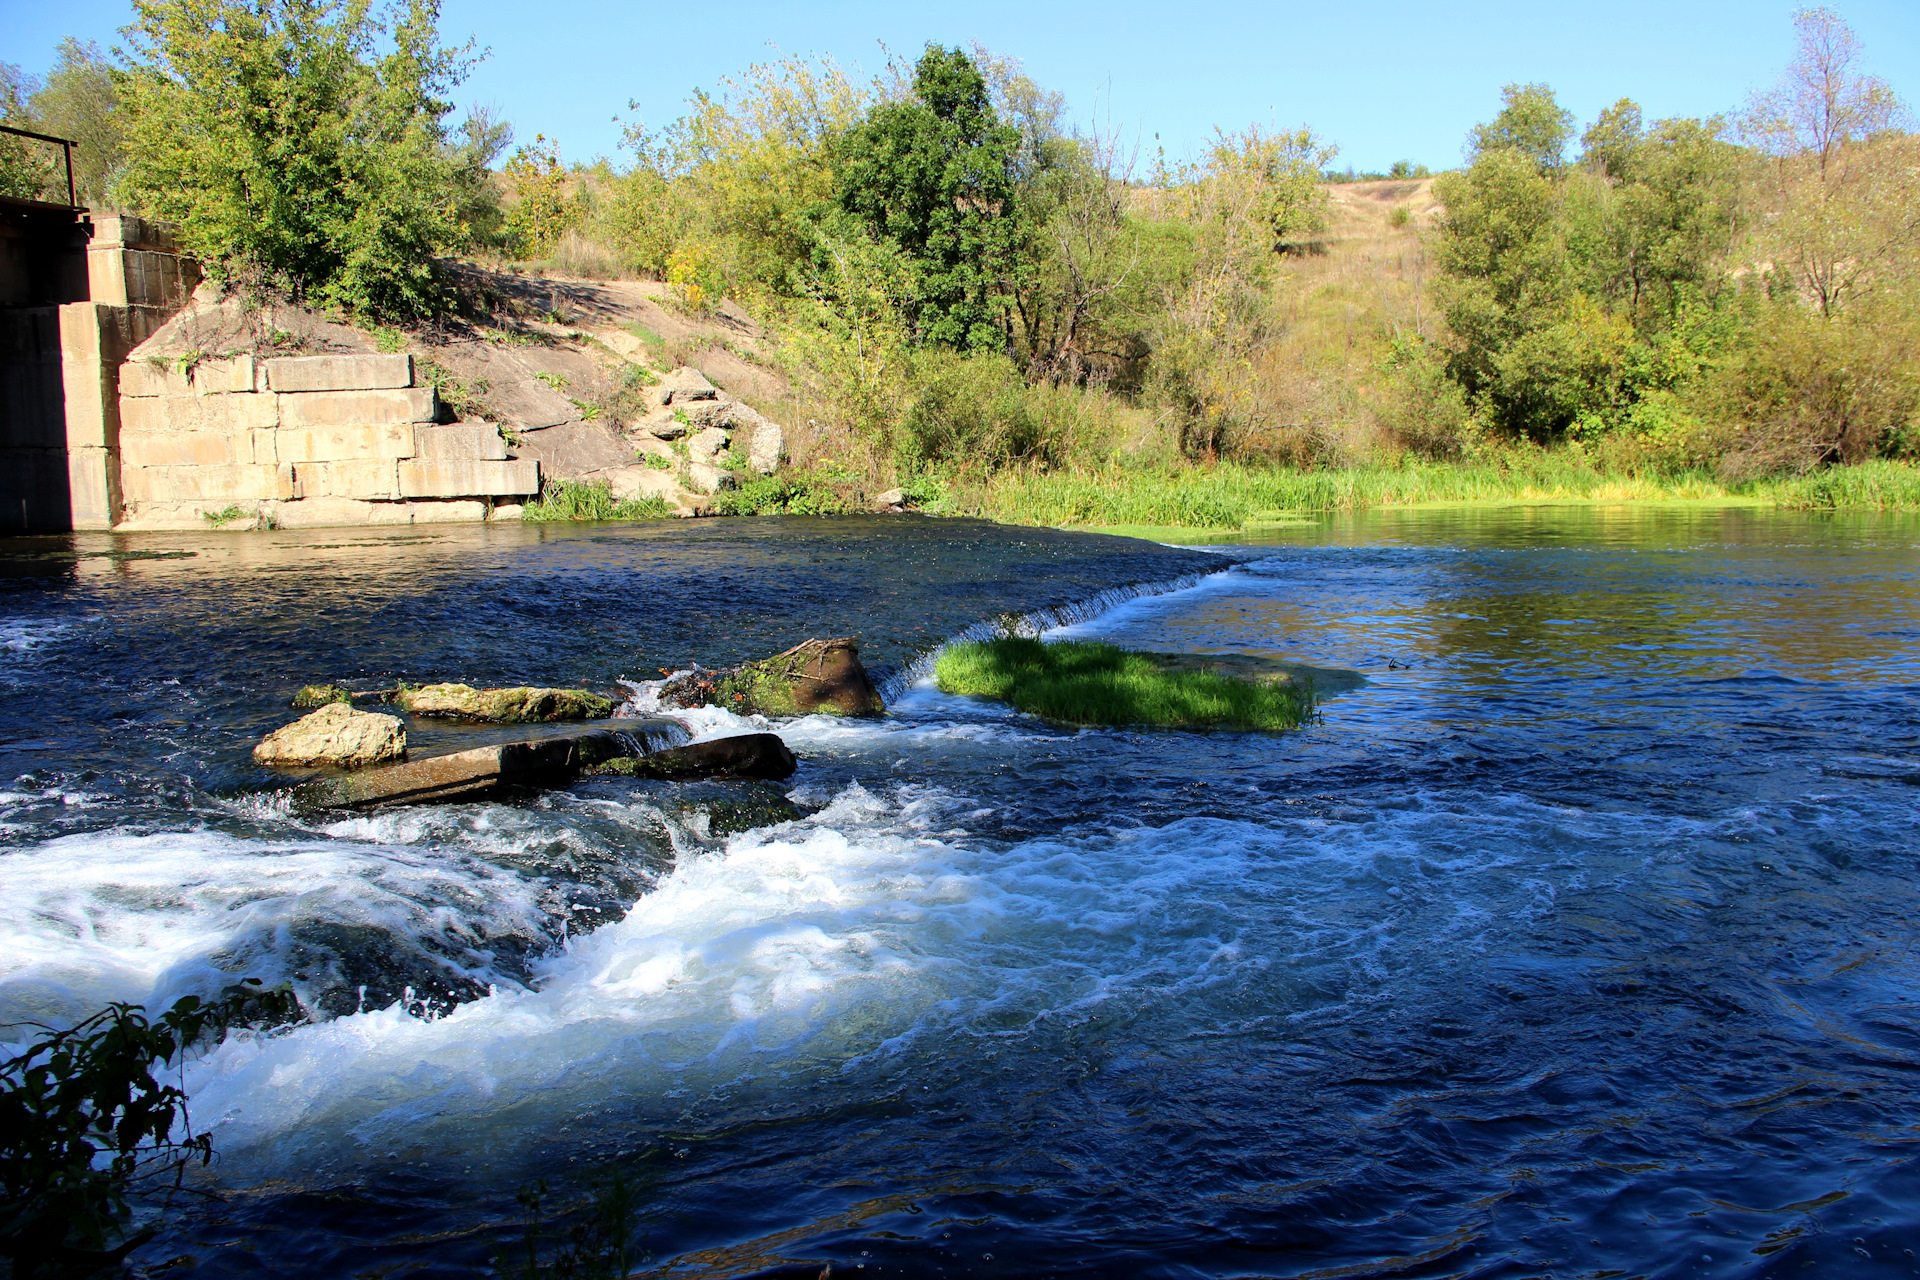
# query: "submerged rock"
{"points": [[747, 755], [814, 676], [319, 695], [336, 735], [519, 705]]}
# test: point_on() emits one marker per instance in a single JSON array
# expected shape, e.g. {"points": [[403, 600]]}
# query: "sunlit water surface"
{"points": [[1579, 942]]}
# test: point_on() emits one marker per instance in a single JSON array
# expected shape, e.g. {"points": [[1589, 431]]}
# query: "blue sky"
{"points": [[1383, 80]]}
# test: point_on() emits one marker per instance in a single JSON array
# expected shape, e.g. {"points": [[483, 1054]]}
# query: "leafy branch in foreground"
{"points": [[83, 1121]]}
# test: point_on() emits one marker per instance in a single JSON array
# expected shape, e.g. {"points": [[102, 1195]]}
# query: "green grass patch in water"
{"points": [[1085, 682]]}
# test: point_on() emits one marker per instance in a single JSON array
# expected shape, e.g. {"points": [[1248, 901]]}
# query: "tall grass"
{"points": [[1230, 495], [591, 500], [1084, 682]]}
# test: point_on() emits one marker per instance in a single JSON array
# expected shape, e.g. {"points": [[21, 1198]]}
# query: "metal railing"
{"points": [[66, 148]]}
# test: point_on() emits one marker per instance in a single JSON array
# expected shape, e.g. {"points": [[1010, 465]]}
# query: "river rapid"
{"points": [[1579, 942]]}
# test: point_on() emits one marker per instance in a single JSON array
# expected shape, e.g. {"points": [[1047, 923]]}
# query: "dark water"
{"points": [[1581, 942]]}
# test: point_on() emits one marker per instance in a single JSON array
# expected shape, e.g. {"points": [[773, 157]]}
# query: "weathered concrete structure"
{"points": [[302, 441], [76, 295], [97, 434]]}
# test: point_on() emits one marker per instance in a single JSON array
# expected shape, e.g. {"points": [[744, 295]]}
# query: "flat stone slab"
{"points": [[552, 761]]}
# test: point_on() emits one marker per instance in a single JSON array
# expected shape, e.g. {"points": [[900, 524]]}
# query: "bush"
{"points": [[791, 494]]}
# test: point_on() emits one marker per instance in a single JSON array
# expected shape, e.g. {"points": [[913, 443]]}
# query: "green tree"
{"points": [[24, 168], [936, 175], [299, 142], [1532, 123], [80, 101], [543, 209]]}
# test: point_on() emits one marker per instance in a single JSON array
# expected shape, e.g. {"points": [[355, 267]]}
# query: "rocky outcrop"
{"points": [[520, 705], [335, 735], [716, 428], [747, 755], [815, 677]]}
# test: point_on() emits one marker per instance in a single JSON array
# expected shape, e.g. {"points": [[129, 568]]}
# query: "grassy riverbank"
{"points": [[1233, 496]]}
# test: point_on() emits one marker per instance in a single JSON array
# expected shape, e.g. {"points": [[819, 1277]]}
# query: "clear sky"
{"points": [[1383, 79]]}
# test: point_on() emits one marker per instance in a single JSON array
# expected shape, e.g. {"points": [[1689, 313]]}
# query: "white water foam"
{"points": [[873, 932], [148, 918]]}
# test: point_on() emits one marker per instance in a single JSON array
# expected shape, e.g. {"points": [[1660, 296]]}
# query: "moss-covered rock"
{"points": [[319, 695], [747, 755], [814, 677], [520, 705]]}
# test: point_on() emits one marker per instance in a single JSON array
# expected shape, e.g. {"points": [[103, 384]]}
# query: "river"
{"points": [[1580, 941]]}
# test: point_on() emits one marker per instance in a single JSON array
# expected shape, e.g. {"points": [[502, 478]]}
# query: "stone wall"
{"points": [[302, 441]]}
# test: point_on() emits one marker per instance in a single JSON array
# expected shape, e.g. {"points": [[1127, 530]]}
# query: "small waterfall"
{"points": [[1034, 623]]}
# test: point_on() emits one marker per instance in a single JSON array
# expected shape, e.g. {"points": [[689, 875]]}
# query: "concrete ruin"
{"points": [[76, 296], [97, 433]]}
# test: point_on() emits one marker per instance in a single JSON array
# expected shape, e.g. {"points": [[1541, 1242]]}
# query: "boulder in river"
{"points": [[817, 676], [336, 735], [746, 755], [520, 705]]}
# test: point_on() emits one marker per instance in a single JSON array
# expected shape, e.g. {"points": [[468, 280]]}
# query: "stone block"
{"points": [[159, 415], [93, 487], [506, 511], [146, 378], [324, 513], [703, 478], [191, 449], [460, 441], [365, 372], [367, 479], [448, 511], [705, 444], [222, 377], [212, 484], [343, 444], [356, 408], [423, 478]]}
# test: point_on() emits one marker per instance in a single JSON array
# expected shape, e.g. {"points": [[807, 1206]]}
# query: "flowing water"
{"points": [[1579, 942]]}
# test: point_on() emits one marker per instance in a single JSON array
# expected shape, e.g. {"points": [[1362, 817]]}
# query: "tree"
{"points": [[24, 169], [936, 176], [80, 101], [300, 142], [1844, 195], [1532, 123]]}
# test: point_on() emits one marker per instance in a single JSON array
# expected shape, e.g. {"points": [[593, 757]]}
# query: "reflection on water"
{"points": [[1578, 942]]}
